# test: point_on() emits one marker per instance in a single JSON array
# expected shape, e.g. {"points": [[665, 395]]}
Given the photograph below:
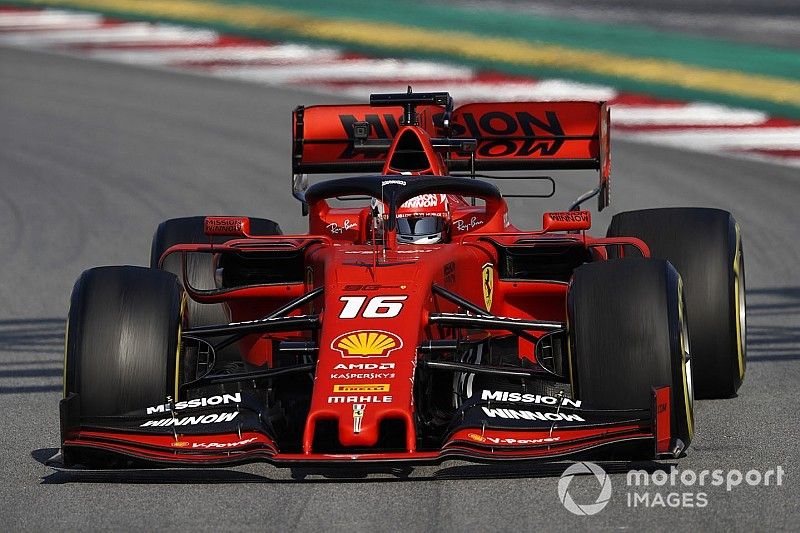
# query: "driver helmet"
{"points": [[423, 220]]}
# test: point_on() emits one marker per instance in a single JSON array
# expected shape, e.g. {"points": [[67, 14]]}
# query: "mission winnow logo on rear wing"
{"points": [[513, 132]]}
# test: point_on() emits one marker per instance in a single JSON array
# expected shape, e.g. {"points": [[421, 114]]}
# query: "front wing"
{"points": [[225, 436]]}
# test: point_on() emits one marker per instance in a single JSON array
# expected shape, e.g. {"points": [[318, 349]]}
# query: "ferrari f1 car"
{"points": [[418, 325]]}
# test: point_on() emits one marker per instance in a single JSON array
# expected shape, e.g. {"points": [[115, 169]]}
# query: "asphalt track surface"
{"points": [[93, 156], [768, 22]]}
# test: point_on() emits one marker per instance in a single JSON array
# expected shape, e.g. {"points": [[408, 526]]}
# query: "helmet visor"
{"points": [[419, 226]]}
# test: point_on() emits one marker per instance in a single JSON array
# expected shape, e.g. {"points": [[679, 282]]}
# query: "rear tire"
{"points": [[627, 334], [123, 338], [705, 246]]}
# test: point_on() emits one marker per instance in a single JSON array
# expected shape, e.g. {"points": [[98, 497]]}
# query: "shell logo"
{"points": [[179, 444], [476, 437], [367, 343]]}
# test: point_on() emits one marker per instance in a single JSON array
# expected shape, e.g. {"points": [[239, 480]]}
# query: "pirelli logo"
{"points": [[384, 387]]}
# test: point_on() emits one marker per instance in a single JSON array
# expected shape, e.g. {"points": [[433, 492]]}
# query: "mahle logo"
{"points": [[587, 509]]}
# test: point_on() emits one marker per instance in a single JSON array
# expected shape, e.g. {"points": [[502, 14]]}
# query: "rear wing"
{"points": [[473, 137]]}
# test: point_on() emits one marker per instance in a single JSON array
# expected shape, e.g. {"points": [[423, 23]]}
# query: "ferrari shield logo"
{"points": [[358, 415], [487, 276]]}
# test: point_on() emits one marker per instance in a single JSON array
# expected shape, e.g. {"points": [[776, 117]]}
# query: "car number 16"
{"points": [[377, 307]]}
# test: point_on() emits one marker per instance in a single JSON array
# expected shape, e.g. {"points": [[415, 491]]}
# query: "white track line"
{"points": [[137, 32], [354, 69], [283, 53], [695, 114], [555, 89], [47, 18], [725, 139], [483, 91], [764, 158]]}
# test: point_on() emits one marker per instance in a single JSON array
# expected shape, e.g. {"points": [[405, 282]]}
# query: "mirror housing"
{"points": [[227, 226], [566, 221]]}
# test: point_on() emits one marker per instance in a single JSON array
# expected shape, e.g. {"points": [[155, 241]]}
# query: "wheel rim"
{"points": [[740, 308], [686, 367], [181, 319], [66, 348]]}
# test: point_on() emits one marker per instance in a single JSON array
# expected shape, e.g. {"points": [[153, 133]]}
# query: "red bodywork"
{"points": [[377, 299]]}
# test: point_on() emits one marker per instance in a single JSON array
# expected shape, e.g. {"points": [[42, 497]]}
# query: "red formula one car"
{"points": [[415, 326]]}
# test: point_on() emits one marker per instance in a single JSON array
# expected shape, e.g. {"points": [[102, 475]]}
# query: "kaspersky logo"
{"points": [[367, 343]]}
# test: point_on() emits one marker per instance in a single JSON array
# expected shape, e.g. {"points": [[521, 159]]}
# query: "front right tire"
{"points": [[705, 246], [122, 348], [123, 339]]}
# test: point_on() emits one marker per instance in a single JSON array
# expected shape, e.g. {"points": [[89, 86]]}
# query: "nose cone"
{"points": [[363, 378], [367, 354], [360, 418]]}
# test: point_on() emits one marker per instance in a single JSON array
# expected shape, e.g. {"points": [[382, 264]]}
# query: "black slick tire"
{"points": [[628, 335], [705, 246]]}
